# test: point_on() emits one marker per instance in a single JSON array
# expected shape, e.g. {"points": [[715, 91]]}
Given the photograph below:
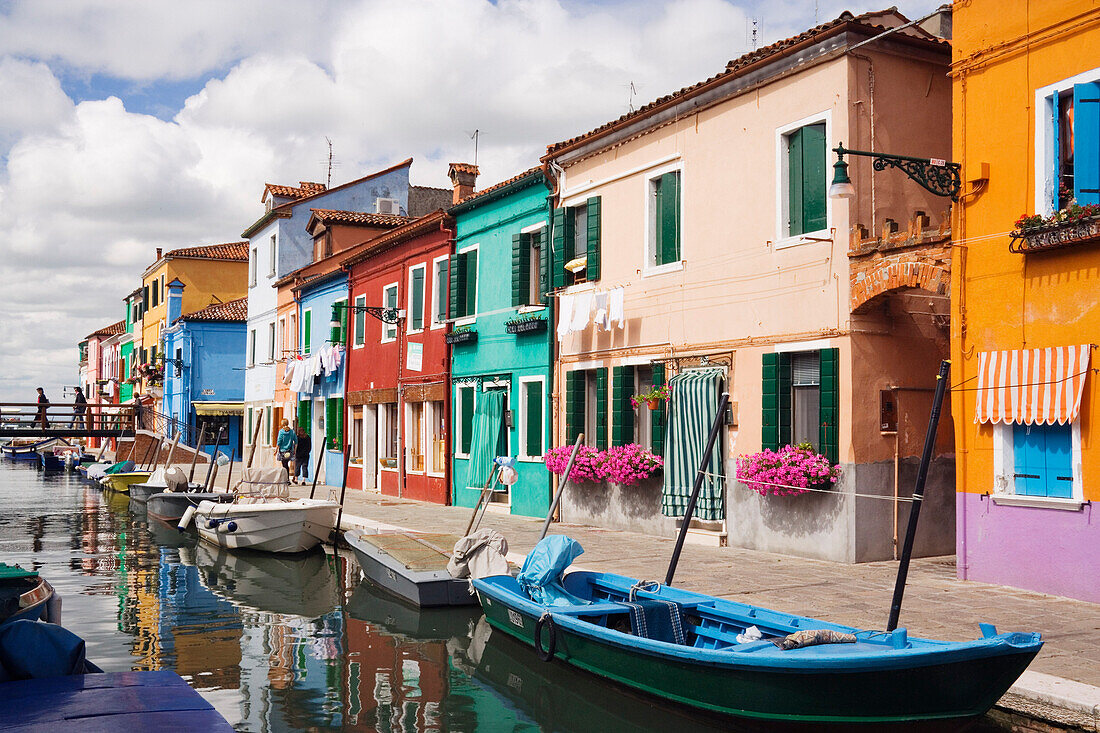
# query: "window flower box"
{"points": [[534, 324], [789, 471], [461, 335], [1071, 226]]}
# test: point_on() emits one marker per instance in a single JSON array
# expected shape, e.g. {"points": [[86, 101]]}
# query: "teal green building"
{"points": [[502, 342], [134, 312]]}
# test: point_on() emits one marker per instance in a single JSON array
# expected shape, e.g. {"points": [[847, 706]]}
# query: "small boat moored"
{"points": [[412, 566], [25, 596]]}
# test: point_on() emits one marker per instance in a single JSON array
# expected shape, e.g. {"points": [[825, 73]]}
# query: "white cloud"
{"points": [[33, 101]]}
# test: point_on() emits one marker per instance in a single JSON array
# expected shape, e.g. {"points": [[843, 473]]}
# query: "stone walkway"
{"points": [[936, 604]]}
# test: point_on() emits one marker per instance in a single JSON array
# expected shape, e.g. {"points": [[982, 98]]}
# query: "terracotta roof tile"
{"points": [[304, 188], [236, 251], [733, 67], [362, 218], [497, 186], [232, 310], [113, 330], [465, 168]]}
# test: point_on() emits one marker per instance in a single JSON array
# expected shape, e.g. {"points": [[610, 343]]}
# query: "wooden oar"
{"points": [[918, 495], [561, 487]]}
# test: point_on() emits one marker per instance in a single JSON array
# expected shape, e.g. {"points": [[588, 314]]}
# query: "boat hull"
{"points": [[426, 589], [276, 526], [171, 505], [121, 482], [940, 686], [140, 493]]}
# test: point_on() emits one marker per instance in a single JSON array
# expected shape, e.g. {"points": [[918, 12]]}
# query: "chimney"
{"points": [[175, 300], [159, 252], [463, 176]]}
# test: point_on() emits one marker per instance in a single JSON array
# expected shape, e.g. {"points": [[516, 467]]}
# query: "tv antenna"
{"points": [[633, 93], [753, 38], [475, 136], [330, 163]]}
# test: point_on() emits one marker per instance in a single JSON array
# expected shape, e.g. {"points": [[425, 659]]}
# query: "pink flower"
{"points": [[786, 472]]}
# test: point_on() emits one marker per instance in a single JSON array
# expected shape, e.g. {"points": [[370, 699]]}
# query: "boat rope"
{"points": [[820, 491], [648, 586], [552, 642]]}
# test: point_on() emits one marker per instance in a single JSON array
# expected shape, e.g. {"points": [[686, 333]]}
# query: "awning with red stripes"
{"points": [[1031, 386]]}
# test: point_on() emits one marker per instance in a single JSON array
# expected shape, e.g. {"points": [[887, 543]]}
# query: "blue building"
{"points": [[203, 351]]}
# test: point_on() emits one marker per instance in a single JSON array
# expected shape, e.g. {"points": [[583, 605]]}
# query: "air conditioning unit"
{"points": [[387, 206]]}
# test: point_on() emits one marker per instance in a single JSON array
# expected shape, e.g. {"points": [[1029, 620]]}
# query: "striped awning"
{"points": [[692, 409], [488, 414], [1031, 386], [218, 408]]}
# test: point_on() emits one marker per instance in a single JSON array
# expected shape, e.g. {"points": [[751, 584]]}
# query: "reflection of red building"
{"points": [[397, 373]]}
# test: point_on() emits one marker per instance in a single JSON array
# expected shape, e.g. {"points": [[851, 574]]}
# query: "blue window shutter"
{"points": [[1058, 463], [1056, 134], [1086, 143], [1029, 460]]}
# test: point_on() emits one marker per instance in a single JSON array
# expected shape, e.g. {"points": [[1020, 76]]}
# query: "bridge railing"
{"points": [[90, 417]]}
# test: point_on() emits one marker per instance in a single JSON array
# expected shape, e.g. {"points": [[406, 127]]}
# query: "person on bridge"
{"points": [[43, 405], [285, 444], [80, 407]]}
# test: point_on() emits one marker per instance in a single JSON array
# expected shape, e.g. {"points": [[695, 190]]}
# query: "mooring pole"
{"points": [[214, 457], [689, 511], [229, 473], [197, 449], [317, 471], [561, 488], [343, 489], [918, 494]]}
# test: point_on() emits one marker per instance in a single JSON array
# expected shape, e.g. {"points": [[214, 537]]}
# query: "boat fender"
{"points": [[231, 527], [552, 641], [53, 609], [185, 520], [212, 524]]}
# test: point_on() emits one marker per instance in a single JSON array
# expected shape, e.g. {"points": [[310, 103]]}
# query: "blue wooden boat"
{"points": [[627, 632], [22, 450]]}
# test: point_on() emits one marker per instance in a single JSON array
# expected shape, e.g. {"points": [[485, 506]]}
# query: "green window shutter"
{"points": [[795, 223], [813, 177], [343, 335], [521, 269], [249, 435], [786, 417], [574, 405], [557, 242], [331, 427], [471, 283], [622, 412], [533, 436], [466, 411], [769, 417], [601, 408], [592, 264], [829, 410], [307, 331], [339, 410], [305, 416], [544, 264], [657, 434], [669, 224], [416, 308], [458, 280]]}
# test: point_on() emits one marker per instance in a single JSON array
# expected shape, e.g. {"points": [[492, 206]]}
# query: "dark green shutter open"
{"points": [[795, 223], [466, 412], [592, 262], [521, 269], [813, 177], [669, 223], [574, 405], [557, 242], [544, 264], [786, 417], [657, 434], [470, 294], [622, 411], [343, 322], [307, 332], [331, 428], [534, 397], [458, 283], [416, 308], [828, 435], [601, 408], [305, 415]]}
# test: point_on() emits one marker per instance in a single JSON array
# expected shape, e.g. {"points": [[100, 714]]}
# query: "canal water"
{"points": [[292, 644]]}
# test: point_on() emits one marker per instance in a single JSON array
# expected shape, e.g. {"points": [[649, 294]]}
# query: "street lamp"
{"points": [[936, 175]]}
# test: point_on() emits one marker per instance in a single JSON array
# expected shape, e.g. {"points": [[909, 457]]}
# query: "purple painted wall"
{"points": [[1046, 550]]}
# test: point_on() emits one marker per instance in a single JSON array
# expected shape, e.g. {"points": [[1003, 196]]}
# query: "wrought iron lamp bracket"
{"points": [[940, 177], [386, 315]]}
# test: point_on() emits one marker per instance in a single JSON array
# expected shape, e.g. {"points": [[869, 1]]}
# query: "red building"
{"points": [[398, 373]]}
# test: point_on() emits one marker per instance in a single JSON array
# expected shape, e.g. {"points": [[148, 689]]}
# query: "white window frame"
{"points": [[469, 320], [383, 431], [430, 420], [434, 323], [252, 347], [358, 336], [532, 306], [1045, 155], [408, 432], [649, 255], [280, 338], [306, 339], [271, 257], [522, 423], [254, 264], [1004, 468], [423, 300], [389, 330], [456, 416], [271, 342], [782, 206]]}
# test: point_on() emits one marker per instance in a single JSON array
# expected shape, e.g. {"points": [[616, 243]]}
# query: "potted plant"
{"points": [[528, 324], [461, 334], [629, 465], [586, 467], [653, 398], [1074, 224], [789, 471]]}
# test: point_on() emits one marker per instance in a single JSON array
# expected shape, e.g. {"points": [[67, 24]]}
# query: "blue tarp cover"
{"points": [[540, 576], [32, 650]]}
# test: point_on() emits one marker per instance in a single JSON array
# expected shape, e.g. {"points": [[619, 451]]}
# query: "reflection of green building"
{"points": [[501, 341]]}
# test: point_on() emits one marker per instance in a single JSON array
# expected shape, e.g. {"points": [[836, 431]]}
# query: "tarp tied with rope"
{"points": [[692, 410], [483, 443], [1031, 386]]}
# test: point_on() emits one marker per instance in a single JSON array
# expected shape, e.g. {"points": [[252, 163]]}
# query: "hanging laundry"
{"points": [[565, 315], [582, 312], [616, 313], [288, 373], [602, 315]]}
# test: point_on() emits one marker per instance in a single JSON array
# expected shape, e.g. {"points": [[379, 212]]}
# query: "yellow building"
{"points": [[1026, 305], [211, 274]]}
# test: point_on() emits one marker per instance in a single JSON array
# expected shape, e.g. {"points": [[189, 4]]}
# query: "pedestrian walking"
{"points": [[80, 407], [43, 404], [301, 456], [285, 444]]}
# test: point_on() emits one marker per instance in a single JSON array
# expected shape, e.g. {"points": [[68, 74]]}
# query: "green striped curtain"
{"points": [[692, 410], [487, 419]]}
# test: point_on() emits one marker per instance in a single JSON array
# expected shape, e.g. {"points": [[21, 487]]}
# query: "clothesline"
{"points": [[578, 310], [301, 370]]}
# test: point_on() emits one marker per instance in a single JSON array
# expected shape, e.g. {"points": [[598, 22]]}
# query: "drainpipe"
{"points": [[552, 350]]}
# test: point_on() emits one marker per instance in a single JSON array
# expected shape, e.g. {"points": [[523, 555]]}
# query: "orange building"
{"points": [[1026, 283]]}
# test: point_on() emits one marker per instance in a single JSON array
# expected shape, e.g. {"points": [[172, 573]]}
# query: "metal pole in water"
{"points": [[343, 489], [198, 449], [214, 457], [481, 498], [317, 471], [918, 495], [561, 488], [689, 511], [229, 472]]}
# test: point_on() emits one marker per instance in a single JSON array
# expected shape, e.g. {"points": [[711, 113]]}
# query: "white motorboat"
{"points": [[263, 517]]}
